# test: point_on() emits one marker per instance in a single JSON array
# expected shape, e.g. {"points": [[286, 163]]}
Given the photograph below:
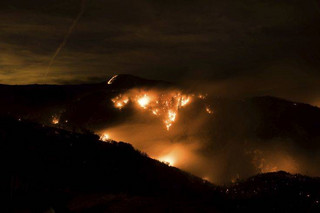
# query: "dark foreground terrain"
{"points": [[54, 170]]}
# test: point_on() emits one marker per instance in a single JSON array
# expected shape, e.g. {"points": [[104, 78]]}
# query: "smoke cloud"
{"points": [[221, 146]]}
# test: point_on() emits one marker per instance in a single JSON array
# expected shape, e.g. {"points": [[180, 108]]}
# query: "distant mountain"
{"points": [[84, 106], [125, 81], [89, 106]]}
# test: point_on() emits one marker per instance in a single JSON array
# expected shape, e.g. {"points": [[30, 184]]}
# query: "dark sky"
{"points": [[237, 48]]}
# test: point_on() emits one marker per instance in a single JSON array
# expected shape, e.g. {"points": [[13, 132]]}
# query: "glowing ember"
{"points": [[144, 101], [120, 101], [112, 79], [55, 120], [155, 111], [168, 125], [201, 96], [185, 101], [209, 110], [105, 137]]}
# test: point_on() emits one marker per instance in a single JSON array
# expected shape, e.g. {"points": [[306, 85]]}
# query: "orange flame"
{"points": [[55, 120], [163, 104], [105, 137], [144, 101]]}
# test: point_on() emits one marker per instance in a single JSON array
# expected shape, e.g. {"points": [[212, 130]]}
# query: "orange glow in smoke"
{"points": [[275, 161], [168, 159], [105, 137]]}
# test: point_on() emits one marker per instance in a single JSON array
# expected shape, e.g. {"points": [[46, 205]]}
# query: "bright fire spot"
{"points": [[144, 101], [105, 137], [201, 96], [209, 110], [55, 120], [120, 101], [112, 79], [168, 159], [168, 125], [184, 101], [171, 118]]}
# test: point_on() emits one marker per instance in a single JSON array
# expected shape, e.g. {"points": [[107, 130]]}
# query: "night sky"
{"points": [[232, 48]]}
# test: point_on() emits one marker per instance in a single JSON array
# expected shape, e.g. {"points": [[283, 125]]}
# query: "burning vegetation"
{"points": [[55, 120], [105, 137], [164, 104]]}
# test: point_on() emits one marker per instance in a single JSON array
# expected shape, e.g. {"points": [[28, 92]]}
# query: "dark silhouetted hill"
{"points": [[45, 168]]}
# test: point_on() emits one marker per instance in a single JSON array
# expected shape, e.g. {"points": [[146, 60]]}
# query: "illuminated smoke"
{"points": [[267, 161], [193, 132], [66, 37], [168, 159]]}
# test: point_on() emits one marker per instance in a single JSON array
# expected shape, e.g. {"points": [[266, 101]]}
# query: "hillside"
{"points": [[48, 168], [44, 165], [240, 138]]}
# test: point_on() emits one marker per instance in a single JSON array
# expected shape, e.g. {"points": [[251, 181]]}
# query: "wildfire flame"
{"points": [[55, 120], [163, 104], [144, 101], [184, 100], [168, 159], [201, 96], [105, 137], [171, 118], [120, 101], [209, 110]]}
